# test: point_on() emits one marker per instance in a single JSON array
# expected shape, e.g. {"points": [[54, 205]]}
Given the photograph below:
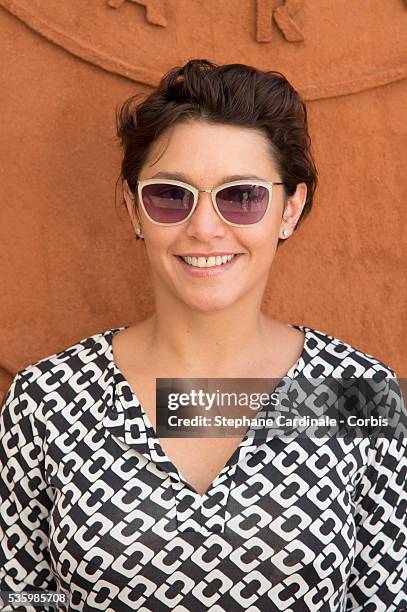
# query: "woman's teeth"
{"points": [[202, 262]]}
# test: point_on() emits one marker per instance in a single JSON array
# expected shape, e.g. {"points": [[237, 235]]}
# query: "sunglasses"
{"points": [[238, 203]]}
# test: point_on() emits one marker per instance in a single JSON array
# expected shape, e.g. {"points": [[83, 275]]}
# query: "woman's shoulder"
{"points": [[80, 353], [332, 356], [85, 360], [346, 368]]}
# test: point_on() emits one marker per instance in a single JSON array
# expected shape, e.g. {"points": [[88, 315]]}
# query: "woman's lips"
{"points": [[212, 270]]}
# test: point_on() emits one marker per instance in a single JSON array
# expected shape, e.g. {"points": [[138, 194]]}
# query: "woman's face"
{"points": [[207, 155]]}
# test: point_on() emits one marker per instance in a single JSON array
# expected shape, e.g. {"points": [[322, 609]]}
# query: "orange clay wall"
{"points": [[70, 265]]}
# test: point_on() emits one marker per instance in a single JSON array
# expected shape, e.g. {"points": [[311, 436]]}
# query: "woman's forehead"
{"points": [[198, 148]]}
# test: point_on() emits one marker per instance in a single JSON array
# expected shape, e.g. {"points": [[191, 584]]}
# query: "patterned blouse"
{"points": [[90, 504]]}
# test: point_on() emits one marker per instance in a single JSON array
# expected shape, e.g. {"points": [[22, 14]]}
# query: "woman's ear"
{"points": [[130, 201], [293, 209]]}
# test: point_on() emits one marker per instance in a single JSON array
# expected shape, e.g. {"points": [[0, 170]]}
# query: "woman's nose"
{"points": [[205, 221]]}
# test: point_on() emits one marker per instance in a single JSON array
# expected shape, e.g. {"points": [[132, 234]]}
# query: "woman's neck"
{"points": [[210, 344]]}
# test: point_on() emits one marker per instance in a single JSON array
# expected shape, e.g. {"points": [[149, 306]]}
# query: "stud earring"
{"points": [[285, 232], [139, 232]]}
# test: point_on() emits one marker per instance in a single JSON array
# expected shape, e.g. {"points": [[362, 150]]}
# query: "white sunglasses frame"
{"points": [[267, 184]]}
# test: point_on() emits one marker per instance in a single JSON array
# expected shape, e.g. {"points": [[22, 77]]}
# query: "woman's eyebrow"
{"points": [[179, 176]]}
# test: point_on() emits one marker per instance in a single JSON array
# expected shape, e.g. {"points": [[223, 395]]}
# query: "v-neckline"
{"points": [[248, 443]]}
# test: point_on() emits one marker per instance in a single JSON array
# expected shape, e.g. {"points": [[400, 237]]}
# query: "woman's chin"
{"points": [[209, 303]]}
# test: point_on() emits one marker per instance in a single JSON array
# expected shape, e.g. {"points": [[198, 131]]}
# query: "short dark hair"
{"points": [[234, 94]]}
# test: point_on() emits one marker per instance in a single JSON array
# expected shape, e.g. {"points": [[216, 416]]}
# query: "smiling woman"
{"points": [[212, 215], [217, 173]]}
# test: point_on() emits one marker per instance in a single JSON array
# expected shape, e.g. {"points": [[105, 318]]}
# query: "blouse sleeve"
{"points": [[25, 498], [378, 578]]}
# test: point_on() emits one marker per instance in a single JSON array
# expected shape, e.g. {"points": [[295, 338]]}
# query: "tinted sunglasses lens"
{"points": [[166, 203], [243, 204]]}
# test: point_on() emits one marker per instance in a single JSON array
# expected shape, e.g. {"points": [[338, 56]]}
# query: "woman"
{"points": [[217, 173]]}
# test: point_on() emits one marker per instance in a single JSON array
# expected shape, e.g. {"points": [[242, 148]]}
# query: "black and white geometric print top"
{"points": [[90, 504]]}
